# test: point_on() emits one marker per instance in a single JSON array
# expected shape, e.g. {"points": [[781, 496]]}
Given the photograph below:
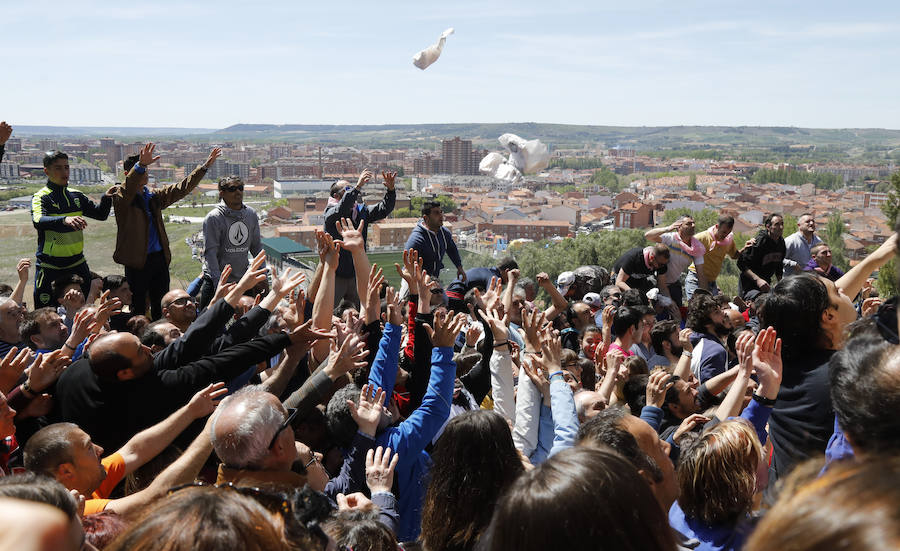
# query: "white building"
{"points": [[284, 188]]}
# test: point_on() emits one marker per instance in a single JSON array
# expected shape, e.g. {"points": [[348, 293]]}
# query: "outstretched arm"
{"points": [[183, 470], [148, 443], [852, 282]]}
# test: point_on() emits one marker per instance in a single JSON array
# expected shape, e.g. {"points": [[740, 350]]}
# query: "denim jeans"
{"points": [[692, 283]]}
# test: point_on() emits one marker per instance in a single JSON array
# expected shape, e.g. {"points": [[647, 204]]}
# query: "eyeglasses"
{"points": [[232, 189], [181, 301], [274, 502], [292, 413]]}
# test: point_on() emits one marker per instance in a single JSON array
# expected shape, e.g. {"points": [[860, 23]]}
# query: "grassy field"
{"points": [[19, 239]]}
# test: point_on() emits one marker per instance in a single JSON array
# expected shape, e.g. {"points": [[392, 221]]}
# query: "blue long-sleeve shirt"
{"points": [[432, 246], [565, 417], [545, 436], [381, 376], [410, 437]]}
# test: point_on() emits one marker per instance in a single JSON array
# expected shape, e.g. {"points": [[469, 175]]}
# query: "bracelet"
{"points": [[69, 346], [504, 343], [559, 372], [768, 402], [687, 354], [26, 389]]}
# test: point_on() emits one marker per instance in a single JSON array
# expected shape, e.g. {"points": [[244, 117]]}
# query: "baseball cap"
{"points": [[751, 294], [564, 281], [592, 300]]}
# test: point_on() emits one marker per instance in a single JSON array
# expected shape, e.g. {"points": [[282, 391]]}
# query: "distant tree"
{"points": [[692, 183], [608, 179], [834, 237], [703, 219], [891, 207]]}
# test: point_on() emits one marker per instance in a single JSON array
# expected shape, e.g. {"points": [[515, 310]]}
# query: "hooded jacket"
{"points": [[432, 246], [228, 235]]}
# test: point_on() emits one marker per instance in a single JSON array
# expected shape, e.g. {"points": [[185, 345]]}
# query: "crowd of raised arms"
{"points": [[625, 407]]}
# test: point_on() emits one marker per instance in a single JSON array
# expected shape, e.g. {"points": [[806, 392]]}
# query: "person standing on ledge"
{"points": [[57, 213], [230, 231], [431, 240], [342, 203], [142, 245]]}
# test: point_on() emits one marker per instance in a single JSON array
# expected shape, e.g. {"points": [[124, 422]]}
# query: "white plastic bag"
{"points": [[490, 163], [537, 156], [430, 54]]}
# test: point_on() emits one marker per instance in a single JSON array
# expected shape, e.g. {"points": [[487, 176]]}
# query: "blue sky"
{"points": [[213, 64]]}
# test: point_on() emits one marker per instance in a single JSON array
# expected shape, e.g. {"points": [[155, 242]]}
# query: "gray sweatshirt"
{"points": [[228, 236]]}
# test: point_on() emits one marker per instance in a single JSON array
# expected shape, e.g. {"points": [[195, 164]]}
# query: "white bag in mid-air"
{"points": [[430, 54], [524, 156]]}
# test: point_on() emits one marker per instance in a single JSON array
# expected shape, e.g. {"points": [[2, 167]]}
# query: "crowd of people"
{"points": [[626, 407]]}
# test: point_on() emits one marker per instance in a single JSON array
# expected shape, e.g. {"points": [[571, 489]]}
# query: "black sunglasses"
{"points": [[292, 413], [233, 188]]}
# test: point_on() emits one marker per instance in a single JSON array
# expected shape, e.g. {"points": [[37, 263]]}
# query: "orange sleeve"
{"points": [[93, 506], [115, 472]]}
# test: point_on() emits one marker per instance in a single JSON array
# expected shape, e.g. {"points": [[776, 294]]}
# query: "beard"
{"points": [[677, 350], [720, 330]]}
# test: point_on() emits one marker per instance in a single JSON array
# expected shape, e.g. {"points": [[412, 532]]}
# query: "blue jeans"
{"points": [[692, 283]]}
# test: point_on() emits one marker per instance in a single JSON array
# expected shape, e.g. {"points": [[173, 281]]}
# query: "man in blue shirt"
{"points": [[142, 245]]}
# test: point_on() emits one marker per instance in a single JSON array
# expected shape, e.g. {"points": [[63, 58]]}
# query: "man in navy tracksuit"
{"points": [[477, 277], [431, 240], [342, 204]]}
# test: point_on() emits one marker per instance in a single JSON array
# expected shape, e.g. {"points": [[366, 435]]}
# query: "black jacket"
{"points": [[113, 411]]}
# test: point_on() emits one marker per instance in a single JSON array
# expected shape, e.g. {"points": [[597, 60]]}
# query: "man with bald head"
{"points": [[251, 433], [179, 308], [122, 388], [588, 403]]}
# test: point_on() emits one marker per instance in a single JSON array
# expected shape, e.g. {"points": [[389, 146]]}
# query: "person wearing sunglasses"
{"points": [[142, 245], [230, 231]]}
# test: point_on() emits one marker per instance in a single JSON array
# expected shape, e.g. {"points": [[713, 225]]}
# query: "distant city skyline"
{"points": [[646, 63]]}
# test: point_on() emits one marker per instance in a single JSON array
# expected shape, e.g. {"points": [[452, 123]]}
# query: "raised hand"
{"points": [[305, 335], [351, 237], [356, 501], [327, 249], [294, 316], [394, 312], [223, 288], [5, 132], [543, 279], [350, 356], [536, 373], [684, 337], [472, 333], [287, 282], [410, 257], [608, 315], [766, 359], [493, 294], [367, 413], [12, 366], [445, 329], [108, 307], [255, 274], [372, 301], [145, 157], [532, 322], [380, 469], [22, 268], [690, 422], [498, 324], [72, 300], [46, 369], [870, 305], [82, 324], [364, 178], [657, 385], [389, 178], [205, 401], [213, 155]]}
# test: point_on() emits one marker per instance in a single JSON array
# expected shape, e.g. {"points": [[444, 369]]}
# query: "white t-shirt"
{"points": [[681, 256]]}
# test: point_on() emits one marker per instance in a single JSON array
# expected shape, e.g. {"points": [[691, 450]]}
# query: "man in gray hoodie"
{"points": [[230, 231]]}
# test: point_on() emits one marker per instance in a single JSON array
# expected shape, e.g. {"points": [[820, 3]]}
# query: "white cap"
{"points": [[564, 281], [592, 300]]}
